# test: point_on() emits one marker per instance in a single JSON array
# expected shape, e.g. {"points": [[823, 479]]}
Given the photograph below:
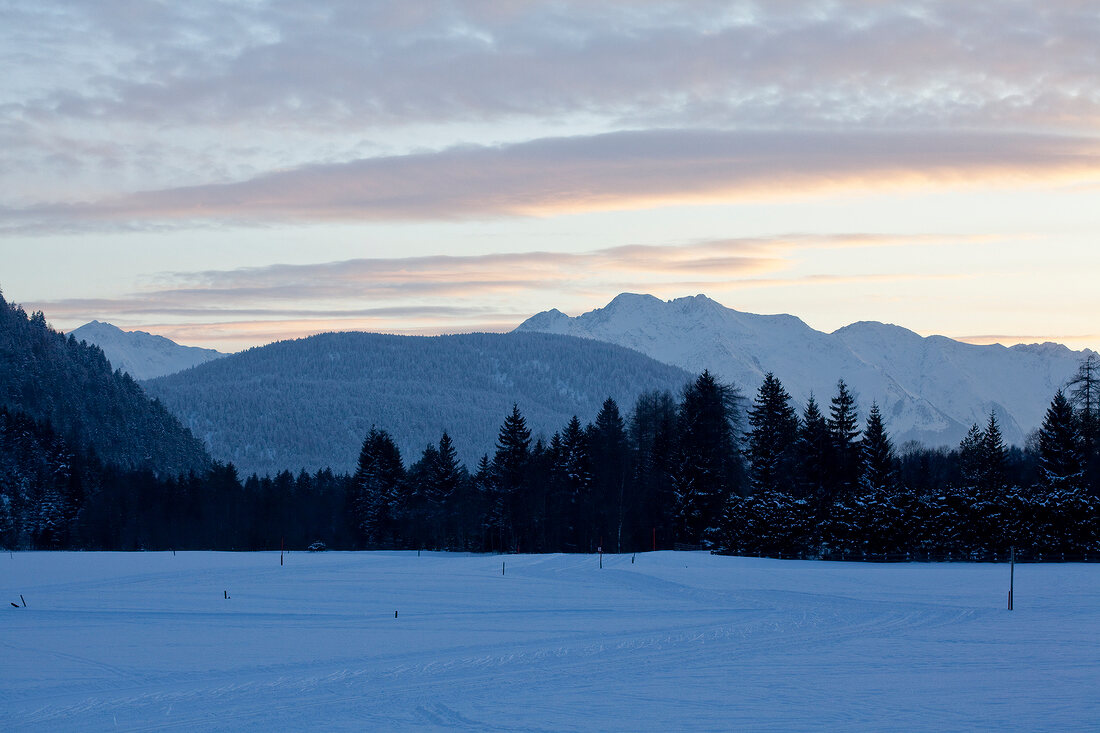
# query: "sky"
{"points": [[232, 173]]}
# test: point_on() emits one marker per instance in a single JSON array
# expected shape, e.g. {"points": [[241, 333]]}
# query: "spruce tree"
{"points": [[772, 437], [815, 452], [879, 472], [970, 456], [1060, 463], [378, 499], [447, 471], [513, 450], [653, 436], [844, 431], [513, 453], [576, 459], [709, 464], [610, 470], [420, 500], [573, 465], [1085, 397], [994, 457], [484, 494], [434, 483]]}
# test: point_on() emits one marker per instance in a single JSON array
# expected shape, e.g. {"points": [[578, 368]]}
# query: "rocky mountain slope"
{"points": [[142, 355], [929, 388]]}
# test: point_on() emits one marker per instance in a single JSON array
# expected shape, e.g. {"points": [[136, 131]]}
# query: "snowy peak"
{"points": [[876, 330], [632, 300], [931, 389], [547, 321], [143, 355]]}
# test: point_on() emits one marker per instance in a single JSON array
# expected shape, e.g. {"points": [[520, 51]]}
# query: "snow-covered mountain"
{"points": [[930, 389], [143, 355]]}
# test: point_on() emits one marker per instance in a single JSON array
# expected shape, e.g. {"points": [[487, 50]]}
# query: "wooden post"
{"points": [[1011, 573], [502, 568], [282, 548]]}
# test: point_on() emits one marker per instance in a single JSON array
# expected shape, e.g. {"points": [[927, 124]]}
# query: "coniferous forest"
{"points": [[709, 467]]}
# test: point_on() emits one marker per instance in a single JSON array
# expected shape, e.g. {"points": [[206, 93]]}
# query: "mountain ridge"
{"points": [[140, 354], [930, 388]]}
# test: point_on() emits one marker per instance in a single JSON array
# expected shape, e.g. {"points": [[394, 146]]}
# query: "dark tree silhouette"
{"points": [[879, 472], [772, 438], [844, 431], [1060, 460]]}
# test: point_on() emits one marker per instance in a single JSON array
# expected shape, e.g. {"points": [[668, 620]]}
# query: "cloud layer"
{"points": [[437, 294], [116, 98], [624, 170]]}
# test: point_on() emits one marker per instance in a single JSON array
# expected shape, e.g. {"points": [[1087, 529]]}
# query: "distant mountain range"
{"points": [[930, 389], [142, 355], [309, 403]]}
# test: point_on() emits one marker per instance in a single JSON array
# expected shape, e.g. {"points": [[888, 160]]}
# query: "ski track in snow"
{"points": [[146, 641]]}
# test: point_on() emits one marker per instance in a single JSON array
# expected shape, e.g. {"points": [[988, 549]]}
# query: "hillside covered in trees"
{"points": [[71, 386], [308, 403], [706, 468]]}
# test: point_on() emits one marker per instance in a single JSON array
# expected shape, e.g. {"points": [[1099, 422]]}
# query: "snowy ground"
{"points": [[675, 641]]}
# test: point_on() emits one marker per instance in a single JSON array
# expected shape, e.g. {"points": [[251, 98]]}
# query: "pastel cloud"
{"points": [[109, 99], [345, 63], [386, 279], [613, 171]]}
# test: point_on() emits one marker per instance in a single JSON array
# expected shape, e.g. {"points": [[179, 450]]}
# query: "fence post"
{"points": [[1011, 574]]}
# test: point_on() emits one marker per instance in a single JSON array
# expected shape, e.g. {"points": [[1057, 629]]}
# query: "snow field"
{"points": [[674, 641]]}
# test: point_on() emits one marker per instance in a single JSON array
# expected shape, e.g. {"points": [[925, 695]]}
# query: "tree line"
{"points": [[706, 468]]}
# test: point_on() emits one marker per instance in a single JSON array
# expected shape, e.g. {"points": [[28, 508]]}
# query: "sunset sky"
{"points": [[228, 174]]}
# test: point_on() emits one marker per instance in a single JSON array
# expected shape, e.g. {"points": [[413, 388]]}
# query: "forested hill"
{"points": [[309, 403], [71, 386]]}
